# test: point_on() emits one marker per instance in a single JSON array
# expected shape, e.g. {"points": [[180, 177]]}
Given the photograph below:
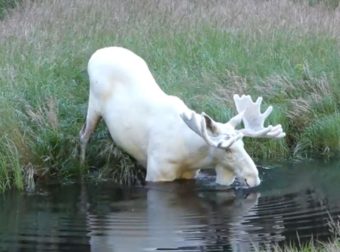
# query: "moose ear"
{"points": [[210, 124], [199, 123], [207, 128]]}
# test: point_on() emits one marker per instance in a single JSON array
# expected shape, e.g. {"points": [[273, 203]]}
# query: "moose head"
{"points": [[232, 160]]}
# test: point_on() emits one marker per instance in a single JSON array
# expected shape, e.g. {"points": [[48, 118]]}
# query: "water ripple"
{"points": [[179, 216]]}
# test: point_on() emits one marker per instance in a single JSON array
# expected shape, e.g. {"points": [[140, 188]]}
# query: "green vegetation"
{"points": [[333, 245], [313, 246], [204, 52], [6, 5]]}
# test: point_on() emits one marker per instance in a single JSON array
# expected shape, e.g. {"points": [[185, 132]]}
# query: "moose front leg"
{"points": [[189, 174], [224, 176], [159, 170]]}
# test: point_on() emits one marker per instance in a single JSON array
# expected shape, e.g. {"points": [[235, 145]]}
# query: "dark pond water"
{"points": [[294, 199]]}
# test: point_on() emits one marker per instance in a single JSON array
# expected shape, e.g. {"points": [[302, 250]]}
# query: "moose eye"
{"points": [[228, 150]]}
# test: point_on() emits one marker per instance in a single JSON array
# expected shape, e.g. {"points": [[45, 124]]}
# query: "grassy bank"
{"points": [[332, 245], [286, 51]]}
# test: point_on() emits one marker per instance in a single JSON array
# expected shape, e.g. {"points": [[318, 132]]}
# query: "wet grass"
{"points": [[203, 52], [333, 245]]}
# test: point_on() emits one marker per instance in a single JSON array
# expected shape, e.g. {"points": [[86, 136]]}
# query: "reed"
{"points": [[333, 245]]}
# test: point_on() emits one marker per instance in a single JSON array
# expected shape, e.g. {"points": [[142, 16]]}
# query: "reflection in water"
{"points": [[174, 216], [182, 216]]}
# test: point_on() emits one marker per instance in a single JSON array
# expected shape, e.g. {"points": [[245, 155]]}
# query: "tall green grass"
{"points": [[332, 245], [6, 5], [202, 51]]}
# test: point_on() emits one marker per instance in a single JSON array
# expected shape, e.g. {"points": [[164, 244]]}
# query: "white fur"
{"points": [[147, 123]]}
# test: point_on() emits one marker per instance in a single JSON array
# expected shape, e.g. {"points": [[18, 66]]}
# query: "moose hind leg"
{"points": [[92, 120]]}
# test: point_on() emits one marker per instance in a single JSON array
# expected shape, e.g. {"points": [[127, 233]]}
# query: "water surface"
{"points": [[293, 200]]}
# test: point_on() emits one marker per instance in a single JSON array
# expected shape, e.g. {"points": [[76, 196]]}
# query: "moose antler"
{"points": [[253, 119], [202, 124]]}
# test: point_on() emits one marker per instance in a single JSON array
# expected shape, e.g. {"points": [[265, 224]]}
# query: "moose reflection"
{"points": [[184, 216], [175, 216]]}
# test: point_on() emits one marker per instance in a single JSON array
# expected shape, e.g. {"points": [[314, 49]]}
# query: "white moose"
{"points": [[160, 131]]}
